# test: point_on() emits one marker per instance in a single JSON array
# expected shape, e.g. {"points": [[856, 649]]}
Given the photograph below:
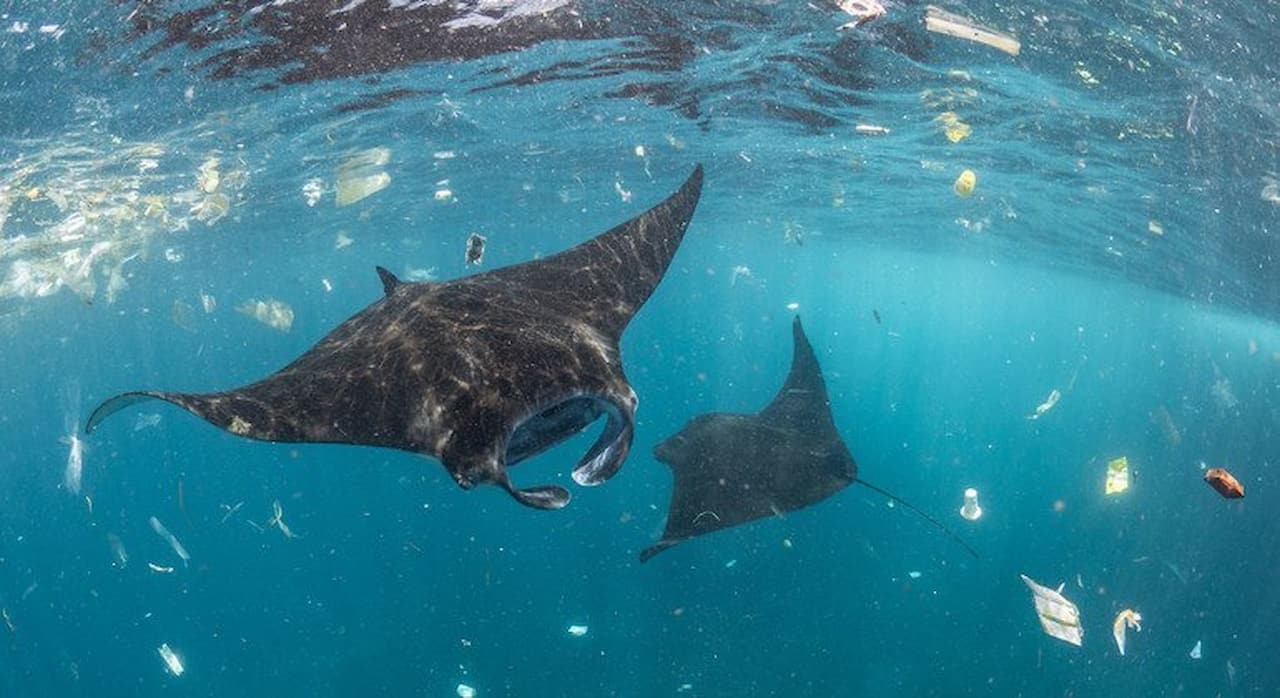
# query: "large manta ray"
{"points": [[734, 468], [481, 372]]}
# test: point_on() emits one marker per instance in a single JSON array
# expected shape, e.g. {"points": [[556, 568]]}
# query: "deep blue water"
{"points": [[401, 584]]}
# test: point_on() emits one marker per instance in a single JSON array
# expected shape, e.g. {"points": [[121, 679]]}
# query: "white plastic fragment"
{"points": [[117, 549], [970, 510], [943, 22], [160, 569], [360, 176], [1195, 651], [915, 574], [465, 691], [577, 630], [171, 539], [1058, 617], [277, 520], [71, 476], [171, 661], [862, 11], [1128, 618], [1048, 404], [270, 312]]}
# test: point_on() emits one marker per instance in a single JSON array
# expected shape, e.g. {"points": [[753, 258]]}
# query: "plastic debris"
{"points": [[270, 312], [1224, 482], [1058, 617], [160, 569], [230, 510], [1048, 404], [171, 539], [475, 249], [965, 184], [146, 420], [915, 574], [8, 622], [1195, 652], [277, 520], [1155, 228], [1128, 618], [343, 240], [72, 474], [577, 630], [465, 691], [312, 191], [870, 130], [361, 176], [741, 271], [862, 11], [171, 660], [942, 22], [117, 549], [1117, 475], [970, 510], [954, 129]]}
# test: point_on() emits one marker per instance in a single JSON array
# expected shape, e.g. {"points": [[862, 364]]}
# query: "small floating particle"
{"points": [[1195, 652], [1155, 228], [914, 574], [793, 307], [871, 130], [577, 630], [443, 195], [465, 691], [160, 569]]}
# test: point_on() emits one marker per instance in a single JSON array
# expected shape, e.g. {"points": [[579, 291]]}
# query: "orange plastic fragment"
{"points": [[1224, 482]]}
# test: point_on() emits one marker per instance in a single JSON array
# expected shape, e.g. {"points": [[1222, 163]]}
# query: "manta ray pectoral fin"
{"points": [[607, 454], [540, 497], [390, 282], [118, 403]]}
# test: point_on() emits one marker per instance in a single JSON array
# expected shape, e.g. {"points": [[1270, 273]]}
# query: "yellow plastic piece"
{"points": [[965, 184], [1118, 475]]}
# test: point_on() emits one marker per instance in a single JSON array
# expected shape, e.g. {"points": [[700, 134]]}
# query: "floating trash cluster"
{"points": [[76, 214]]}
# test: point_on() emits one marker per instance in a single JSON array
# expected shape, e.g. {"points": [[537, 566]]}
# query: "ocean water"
{"points": [[158, 163]]}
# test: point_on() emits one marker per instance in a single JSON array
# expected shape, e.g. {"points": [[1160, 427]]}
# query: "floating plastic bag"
{"points": [[1058, 617], [1117, 475], [1128, 618]]}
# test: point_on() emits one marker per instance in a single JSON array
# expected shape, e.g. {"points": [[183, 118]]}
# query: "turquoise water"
{"points": [[545, 129]]}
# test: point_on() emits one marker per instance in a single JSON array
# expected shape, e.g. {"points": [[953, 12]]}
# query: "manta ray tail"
{"points": [[938, 524]]}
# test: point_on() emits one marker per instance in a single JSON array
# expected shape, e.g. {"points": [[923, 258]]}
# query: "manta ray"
{"points": [[731, 469], [481, 372]]}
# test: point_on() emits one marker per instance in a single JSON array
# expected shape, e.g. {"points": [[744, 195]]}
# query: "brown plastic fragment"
{"points": [[1224, 482]]}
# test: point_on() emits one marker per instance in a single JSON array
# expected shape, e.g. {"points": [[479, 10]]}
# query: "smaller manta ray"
{"points": [[734, 468], [481, 372]]}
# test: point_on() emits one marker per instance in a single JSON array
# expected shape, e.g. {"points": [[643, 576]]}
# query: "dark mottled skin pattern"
{"points": [[733, 468], [525, 356]]}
